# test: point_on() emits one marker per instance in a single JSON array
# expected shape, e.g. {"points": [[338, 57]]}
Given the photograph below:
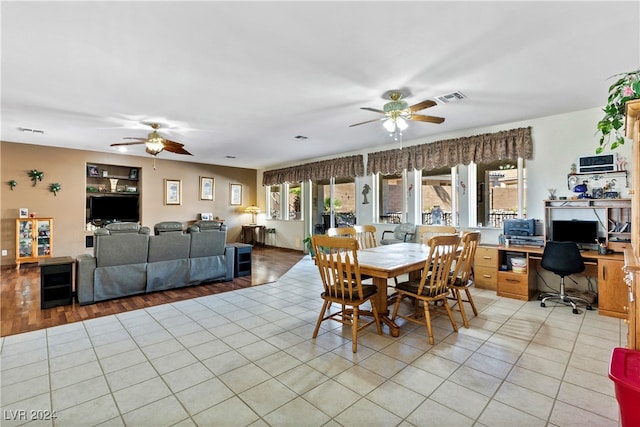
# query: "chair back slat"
{"points": [[437, 270], [366, 236], [337, 261], [464, 262], [341, 232], [426, 232]]}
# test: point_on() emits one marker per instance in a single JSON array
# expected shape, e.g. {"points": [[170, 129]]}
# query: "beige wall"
{"points": [[68, 168]]}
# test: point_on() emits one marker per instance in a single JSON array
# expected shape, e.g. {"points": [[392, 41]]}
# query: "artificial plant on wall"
{"points": [[35, 176], [13, 184], [54, 188]]}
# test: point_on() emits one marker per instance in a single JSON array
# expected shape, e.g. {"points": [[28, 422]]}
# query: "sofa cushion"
{"points": [[126, 227]]}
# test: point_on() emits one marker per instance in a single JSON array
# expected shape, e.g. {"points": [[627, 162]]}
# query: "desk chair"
{"points": [[337, 261], [563, 259]]}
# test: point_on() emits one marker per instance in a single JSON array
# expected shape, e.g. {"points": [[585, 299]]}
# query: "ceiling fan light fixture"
{"points": [[401, 123], [389, 125]]}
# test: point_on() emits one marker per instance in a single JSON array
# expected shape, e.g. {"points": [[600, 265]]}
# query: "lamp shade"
{"points": [[253, 210]]}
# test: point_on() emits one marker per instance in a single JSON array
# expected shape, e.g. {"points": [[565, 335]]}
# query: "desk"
{"points": [[253, 234], [388, 261], [612, 291]]}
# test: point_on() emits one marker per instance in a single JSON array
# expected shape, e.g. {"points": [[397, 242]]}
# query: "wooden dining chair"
{"points": [[425, 232], [366, 236], [341, 232], [462, 276], [431, 289], [337, 261]]}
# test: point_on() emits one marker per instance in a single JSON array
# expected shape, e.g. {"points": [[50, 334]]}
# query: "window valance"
{"points": [[485, 148], [350, 166]]}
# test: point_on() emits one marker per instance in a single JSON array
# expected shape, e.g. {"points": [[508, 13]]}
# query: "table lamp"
{"points": [[253, 210]]}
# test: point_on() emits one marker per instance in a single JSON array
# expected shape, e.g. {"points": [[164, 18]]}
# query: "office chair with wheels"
{"points": [[563, 259]]}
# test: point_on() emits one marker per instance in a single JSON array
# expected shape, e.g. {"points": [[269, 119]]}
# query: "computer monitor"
{"points": [[578, 231]]}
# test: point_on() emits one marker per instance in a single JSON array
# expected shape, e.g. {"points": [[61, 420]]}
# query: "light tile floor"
{"points": [[247, 358]]}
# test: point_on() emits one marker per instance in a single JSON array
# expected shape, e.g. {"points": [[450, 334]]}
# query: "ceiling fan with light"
{"points": [[154, 143], [397, 112]]}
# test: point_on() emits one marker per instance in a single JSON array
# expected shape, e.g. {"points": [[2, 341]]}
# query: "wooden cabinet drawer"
{"points": [[485, 277], [486, 257], [514, 285]]}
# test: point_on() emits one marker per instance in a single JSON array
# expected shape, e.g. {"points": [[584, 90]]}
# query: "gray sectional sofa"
{"points": [[128, 259]]}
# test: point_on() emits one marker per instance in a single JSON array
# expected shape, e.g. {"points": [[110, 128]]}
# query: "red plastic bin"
{"points": [[624, 370]]}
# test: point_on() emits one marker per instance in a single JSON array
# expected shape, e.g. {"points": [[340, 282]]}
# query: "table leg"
{"points": [[382, 305]]}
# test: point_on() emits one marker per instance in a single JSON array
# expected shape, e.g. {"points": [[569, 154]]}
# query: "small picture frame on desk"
{"points": [[133, 174]]}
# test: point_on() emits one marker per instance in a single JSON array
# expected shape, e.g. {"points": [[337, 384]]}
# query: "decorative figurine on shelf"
{"points": [[552, 193], [622, 163], [574, 168]]}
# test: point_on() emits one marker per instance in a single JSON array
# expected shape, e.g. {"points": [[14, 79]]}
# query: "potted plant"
{"points": [[626, 88], [307, 242]]}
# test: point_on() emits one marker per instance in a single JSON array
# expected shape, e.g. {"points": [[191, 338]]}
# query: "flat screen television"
{"points": [[581, 232], [114, 208]]}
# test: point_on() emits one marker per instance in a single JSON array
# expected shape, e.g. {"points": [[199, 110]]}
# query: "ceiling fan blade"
{"points": [[138, 139], [422, 105], [127, 143], [368, 121], [375, 110], [175, 147], [430, 119]]}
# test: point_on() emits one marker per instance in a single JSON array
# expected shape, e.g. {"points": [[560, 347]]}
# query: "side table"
{"points": [[242, 263], [56, 281], [253, 234]]}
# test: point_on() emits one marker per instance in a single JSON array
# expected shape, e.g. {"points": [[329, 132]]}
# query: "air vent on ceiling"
{"points": [[451, 97]]}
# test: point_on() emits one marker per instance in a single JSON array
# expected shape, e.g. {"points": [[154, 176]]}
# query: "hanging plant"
{"points": [[13, 184], [54, 188], [626, 88], [36, 176]]}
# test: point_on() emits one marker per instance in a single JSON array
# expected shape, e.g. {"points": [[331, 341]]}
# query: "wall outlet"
{"points": [[4, 252]]}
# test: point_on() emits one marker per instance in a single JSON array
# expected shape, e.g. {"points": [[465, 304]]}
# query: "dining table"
{"points": [[386, 262]]}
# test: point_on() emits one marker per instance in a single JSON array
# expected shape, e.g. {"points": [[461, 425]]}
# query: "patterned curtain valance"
{"points": [[350, 166], [485, 148]]}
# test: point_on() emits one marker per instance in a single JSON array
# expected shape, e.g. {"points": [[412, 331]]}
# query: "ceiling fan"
{"points": [[397, 112], [155, 143]]}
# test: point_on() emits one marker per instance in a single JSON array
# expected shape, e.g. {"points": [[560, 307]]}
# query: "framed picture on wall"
{"points": [[235, 194], [172, 192], [206, 188], [92, 170]]}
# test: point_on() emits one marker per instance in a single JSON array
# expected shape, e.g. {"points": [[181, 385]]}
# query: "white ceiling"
{"points": [[243, 79]]}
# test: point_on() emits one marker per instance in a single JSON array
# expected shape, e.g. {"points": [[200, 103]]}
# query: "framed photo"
{"points": [[206, 188], [172, 192], [235, 194], [24, 213], [206, 216], [133, 174], [92, 170]]}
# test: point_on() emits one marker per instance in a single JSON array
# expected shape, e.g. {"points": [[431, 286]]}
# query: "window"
{"points": [[295, 201], [334, 203], [437, 191], [391, 198], [499, 192], [273, 201]]}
